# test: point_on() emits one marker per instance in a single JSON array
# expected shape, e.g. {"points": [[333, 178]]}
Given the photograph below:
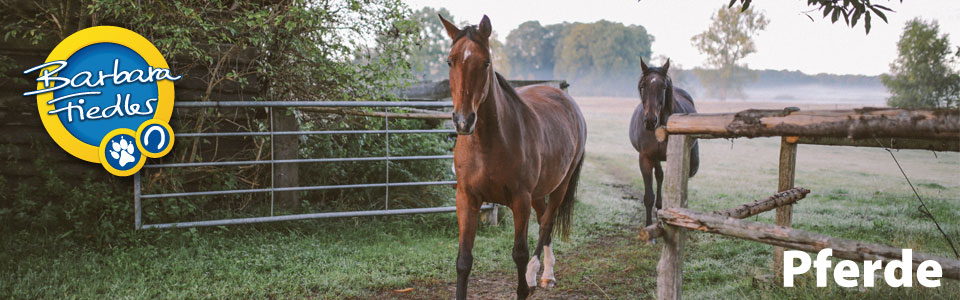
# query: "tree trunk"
{"points": [[286, 147]]}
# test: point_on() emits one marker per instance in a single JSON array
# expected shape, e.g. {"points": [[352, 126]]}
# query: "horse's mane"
{"points": [[472, 33], [657, 70], [506, 87]]}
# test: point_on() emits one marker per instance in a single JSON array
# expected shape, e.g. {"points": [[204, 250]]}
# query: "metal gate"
{"points": [[270, 105]]}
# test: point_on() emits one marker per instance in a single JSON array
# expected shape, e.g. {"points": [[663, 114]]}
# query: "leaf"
{"points": [[866, 22], [826, 10], [882, 7], [879, 13], [858, 5], [836, 15], [856, 17]]}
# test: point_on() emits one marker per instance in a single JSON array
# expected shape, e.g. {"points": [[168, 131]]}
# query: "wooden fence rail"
{"points": [[871, 127], [922, 124], [797, 239], [787, 197]]}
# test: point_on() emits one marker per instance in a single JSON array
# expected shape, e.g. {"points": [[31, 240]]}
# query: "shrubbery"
{"points": [[261, 50]]}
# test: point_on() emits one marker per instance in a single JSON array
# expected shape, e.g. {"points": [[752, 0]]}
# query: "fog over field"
{"points": [[766, 86], [819, 94]]}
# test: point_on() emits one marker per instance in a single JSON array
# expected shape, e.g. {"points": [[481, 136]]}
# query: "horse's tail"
{"points": [[565, 212]]}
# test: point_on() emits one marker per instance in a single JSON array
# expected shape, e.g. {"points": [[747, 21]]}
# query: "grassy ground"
{"points": [[858, 193]]}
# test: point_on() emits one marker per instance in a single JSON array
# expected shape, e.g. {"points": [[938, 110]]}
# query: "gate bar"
{"points": [[297, 188], [265, 133], [343, 214], [299, 160], [313, 104]]}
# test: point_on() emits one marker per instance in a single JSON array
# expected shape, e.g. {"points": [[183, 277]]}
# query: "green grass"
{"points": [[858, 193]]}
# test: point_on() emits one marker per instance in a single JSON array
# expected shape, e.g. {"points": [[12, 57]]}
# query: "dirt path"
{"points": [[605, 269]]}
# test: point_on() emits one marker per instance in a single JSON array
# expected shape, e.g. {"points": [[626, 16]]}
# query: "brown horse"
{"points": [[659, 99], [515, 147]]}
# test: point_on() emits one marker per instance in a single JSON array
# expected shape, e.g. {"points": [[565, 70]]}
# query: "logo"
{"points": [[105, 95]]}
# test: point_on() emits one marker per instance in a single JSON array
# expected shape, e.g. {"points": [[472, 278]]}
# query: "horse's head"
{"points": [[471, 72], [656, 93]]}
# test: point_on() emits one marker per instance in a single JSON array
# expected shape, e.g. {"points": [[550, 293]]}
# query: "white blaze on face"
{"points": [[548, 260], [532, 268], [465, 55]]}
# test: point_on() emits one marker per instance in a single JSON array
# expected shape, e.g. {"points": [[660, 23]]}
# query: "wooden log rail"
{"points": [[923, 124], [892, 143], [787, 197], [797, 239]]}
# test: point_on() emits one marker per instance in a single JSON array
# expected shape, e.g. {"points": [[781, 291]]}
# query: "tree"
{"points": [[925, 73], [531, 50], [849, 11], [602, 57], [728, 40], [429, 56], [260, 50], [501, 62]]}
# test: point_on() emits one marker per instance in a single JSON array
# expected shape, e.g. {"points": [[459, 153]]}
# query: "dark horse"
{"points": [[515, 147], [659, 99]]}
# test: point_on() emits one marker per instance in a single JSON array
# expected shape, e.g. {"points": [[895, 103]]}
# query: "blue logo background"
{"points": [[95, 58]]}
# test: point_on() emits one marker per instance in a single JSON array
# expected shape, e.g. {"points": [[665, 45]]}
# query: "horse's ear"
{"points": [[666, 66], [452, 30], [485, 29], [643, 66]]}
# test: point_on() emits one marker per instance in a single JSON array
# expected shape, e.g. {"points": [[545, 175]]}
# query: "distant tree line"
{"points": [[787, 77], [602, 57]]}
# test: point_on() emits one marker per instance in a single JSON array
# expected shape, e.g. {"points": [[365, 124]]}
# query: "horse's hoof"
{"points": [[547, 283], [532, 268]]}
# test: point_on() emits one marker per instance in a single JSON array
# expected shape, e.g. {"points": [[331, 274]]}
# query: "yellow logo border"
{"points": [[90, 36]]}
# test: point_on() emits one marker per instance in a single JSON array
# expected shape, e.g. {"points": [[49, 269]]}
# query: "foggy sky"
{"points": [[791, 41]]}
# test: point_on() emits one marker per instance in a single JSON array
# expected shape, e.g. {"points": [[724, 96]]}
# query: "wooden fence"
{"points": [[869, 127]]}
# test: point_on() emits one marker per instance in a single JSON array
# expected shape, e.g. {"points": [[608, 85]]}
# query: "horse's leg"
{"points": [[540, 207], [646, 166], [546, 235], [467, 213], [521, 253]]}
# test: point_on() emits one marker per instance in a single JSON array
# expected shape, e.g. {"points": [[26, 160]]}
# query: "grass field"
{"points": [[858, 193]]}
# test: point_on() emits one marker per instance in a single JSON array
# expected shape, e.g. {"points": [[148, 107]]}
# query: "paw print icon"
{"points": [[119, 153], [122, 151]]}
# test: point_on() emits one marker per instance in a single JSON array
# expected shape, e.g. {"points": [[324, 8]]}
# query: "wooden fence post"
{"points": [[491, 217], [788, 166], [670, 267]]}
